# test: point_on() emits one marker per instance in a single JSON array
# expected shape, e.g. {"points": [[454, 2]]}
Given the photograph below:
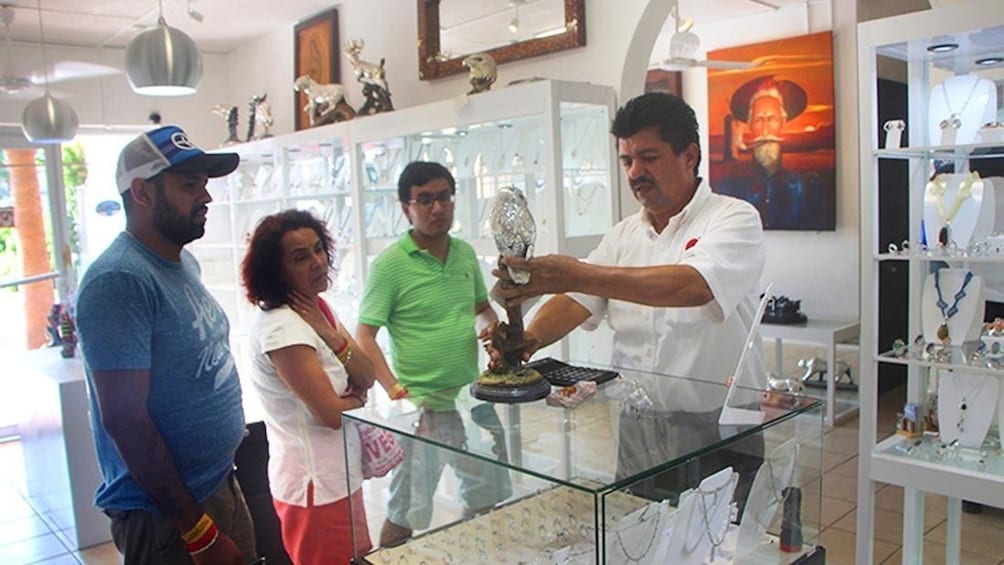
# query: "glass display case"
{"points": [[548, 138], [628, 476], [944, 444]]}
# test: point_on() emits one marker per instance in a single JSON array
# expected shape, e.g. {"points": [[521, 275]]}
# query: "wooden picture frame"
{"points": [[316, 50]]}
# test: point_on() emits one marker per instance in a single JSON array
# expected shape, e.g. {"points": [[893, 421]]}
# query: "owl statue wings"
{"points": [[512, 227], [482, 72]]}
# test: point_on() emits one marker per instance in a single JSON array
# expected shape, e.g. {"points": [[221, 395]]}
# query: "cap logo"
{"points": [[180, 140]]}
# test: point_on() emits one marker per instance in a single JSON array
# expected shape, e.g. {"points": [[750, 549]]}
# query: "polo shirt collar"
{"points": [[702, 193], [409, 247]]}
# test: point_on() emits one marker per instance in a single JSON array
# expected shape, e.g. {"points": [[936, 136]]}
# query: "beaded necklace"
{"points": [[946, 311]]}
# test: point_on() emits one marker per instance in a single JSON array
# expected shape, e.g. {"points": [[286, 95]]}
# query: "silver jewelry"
{"points": [[651, 539], [706, 514], [954, 119]]}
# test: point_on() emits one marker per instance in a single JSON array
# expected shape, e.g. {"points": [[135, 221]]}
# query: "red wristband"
{"points": [[204, 541]]}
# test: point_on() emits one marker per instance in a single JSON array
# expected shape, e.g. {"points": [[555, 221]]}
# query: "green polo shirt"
{"points": [[428, 309]]}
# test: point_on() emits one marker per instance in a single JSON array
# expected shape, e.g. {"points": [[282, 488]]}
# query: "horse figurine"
{"points": [[373, 78], [228, 113], [325, 102]]}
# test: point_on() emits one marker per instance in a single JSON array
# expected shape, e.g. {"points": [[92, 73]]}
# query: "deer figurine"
{"points": [[373, 79]]}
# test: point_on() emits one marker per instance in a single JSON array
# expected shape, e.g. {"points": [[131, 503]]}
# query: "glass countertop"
{"points": [[578, 447]]}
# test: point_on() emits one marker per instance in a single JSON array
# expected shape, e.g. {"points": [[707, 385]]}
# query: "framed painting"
{"points": [[315, 43], [771, 134]]}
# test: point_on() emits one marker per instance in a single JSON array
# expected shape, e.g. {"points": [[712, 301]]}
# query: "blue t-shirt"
{"points": [[137, 310]]}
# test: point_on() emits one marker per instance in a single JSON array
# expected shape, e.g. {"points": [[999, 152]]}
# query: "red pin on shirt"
{"points": [[692, 242]]}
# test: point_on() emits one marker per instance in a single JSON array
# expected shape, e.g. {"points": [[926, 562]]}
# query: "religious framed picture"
{"points": [[315, 43], [771, 135]]}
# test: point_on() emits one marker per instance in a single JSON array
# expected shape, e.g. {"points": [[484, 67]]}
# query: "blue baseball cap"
{"points": [[167, 148]]}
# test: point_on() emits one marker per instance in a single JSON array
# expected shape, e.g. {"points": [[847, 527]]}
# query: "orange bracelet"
{"points": [[397, 392]]}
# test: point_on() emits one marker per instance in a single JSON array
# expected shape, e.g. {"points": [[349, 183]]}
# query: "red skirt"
{"points": [[322, 535]]}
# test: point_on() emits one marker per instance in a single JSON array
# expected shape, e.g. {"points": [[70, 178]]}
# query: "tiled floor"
{"points": [[25, 537]]}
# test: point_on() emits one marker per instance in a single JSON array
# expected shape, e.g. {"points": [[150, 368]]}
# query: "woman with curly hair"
{"points": [[307, 370]]}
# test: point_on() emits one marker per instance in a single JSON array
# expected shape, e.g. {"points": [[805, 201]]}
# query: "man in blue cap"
{"points": [[165, 398]]}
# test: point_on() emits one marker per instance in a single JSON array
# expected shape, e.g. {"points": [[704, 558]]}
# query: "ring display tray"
{"points": [[512, 533], [559, 373]]}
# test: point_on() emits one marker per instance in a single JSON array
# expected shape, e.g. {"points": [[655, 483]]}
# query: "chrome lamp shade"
{"points": [[163, 61], [49, 120]]}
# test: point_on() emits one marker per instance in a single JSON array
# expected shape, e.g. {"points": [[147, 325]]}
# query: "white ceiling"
{"points": [[228, 23], [112, 23]]}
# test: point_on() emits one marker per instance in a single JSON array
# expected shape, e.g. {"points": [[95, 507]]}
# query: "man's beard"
{"points": [[177, 228], [768, 155]]}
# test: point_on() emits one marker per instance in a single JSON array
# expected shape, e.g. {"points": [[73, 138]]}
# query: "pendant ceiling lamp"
{"points": [[47, 119], [163, 61]]}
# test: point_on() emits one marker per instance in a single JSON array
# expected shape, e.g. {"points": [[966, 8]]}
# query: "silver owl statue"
{"points": [[482, 72], [512, 227]]}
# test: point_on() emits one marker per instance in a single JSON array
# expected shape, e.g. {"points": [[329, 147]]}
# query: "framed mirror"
{"points": [[508, 30]]}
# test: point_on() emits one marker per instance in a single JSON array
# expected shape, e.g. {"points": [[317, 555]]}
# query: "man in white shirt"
{"points": [[677, 282]]}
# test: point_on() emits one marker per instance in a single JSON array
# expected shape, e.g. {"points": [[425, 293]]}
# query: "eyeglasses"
{"points": [[426, 200]]}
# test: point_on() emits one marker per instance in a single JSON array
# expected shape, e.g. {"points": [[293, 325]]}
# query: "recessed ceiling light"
{"points": [[987, 61], [942, 47]]}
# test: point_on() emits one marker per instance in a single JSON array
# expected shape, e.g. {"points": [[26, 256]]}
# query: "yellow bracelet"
{"points": [[198, 530], [398, 392], [345, 355]]}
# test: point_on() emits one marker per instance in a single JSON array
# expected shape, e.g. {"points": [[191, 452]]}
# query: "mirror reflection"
{"points": [[467, 26], [508, 30]]}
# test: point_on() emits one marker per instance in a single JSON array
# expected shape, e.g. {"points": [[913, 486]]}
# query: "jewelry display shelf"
{"points": [[939, 256], [593, 484], [930, 466], [966, 33], [994, 150]]}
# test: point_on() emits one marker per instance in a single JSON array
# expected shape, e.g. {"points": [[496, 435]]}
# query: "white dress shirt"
{"points": [[722, 238]]}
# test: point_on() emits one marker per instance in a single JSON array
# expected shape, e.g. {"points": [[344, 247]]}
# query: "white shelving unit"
{"points": [[549, 138], [978, 28]]}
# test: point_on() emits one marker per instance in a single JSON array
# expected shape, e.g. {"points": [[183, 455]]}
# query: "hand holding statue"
{"points": [[549, 274]]}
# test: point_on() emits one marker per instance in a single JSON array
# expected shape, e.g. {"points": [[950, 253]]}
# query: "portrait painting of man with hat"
{"points": [[771, 136]]}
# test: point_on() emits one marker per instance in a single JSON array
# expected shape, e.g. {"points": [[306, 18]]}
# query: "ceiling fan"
{"points": [[683, 45], [32, 84]]}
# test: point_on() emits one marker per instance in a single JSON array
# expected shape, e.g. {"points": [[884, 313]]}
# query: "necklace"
{"points": [[717, 495], [946, 311], [954, 120], [938, 187], [583, 202], [651, 539], [964, 398]]}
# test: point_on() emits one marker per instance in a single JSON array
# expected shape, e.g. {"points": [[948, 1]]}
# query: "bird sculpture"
{"points": [[482, 72], [512, 227]]}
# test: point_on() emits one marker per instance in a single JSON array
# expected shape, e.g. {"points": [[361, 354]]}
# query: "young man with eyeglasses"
{"points": [[427, 289]]}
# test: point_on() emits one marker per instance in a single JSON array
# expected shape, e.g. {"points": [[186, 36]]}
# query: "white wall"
{"points": [[820, 268]]}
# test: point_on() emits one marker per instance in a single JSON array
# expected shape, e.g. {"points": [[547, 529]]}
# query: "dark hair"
{"points": [[263, 261], [418, 173], [675, 119]]}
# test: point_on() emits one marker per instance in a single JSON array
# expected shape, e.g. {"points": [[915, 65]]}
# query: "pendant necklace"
{"points": [[946, 311], [954, 119], [938, 187], [706, 513], [973, 392]]}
